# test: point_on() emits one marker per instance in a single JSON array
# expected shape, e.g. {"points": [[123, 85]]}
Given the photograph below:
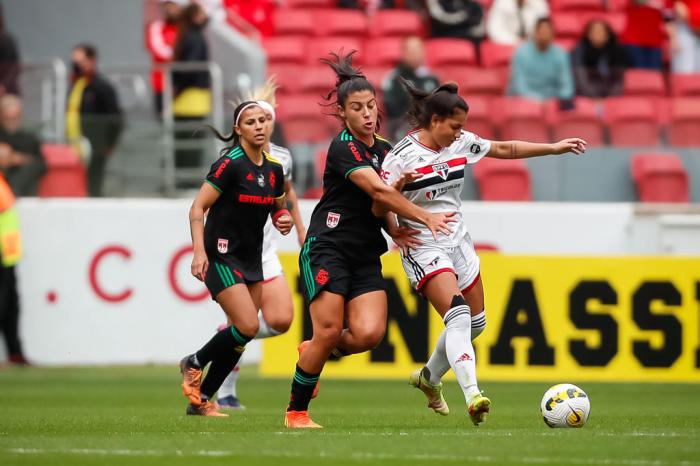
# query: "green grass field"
{"points": [[135, 416]]}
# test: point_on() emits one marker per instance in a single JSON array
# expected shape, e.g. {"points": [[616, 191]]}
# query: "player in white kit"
{"points": [[433, 158], [277, 310]]}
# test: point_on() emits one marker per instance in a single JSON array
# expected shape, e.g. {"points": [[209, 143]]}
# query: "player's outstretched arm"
{"points": [[524, 149], [206, 197]]}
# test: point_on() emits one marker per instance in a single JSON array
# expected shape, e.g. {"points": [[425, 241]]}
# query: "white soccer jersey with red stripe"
{"points": [[443, 176]]}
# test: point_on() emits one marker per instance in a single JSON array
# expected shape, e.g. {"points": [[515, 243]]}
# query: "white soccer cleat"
{"points": [[436, 401]]}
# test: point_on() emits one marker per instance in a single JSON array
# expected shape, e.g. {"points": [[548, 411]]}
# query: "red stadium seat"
{"points": [[479, 119], [583, 121], [496, 55], [660, 178], [384, 51], [450, 52], [337, 22], [632, 121], [522, 119], [685, 84], [568, 25], [303, 119], [321, 47], [375, 75], [395, 23], [286, 76], [567, 43], [644, 83], [317, 80], [684, 127], [288, 22], [618, 5], [502, 180], [310, 3], [287, 50], [577, 5], [475, 81], [65, 175]]}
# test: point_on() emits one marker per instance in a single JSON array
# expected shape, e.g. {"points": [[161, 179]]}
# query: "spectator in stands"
{"points": [[9, 61], [461, 19], [160, 40], [686, 57], [412, 68], [252, 18], [92, 115], [644, 35], [540, 69], [192, 88], [511, 22], [598, 62], [21, 161]]}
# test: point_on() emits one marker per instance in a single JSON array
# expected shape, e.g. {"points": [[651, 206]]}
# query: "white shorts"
{"points": [[429, 260], [271, 264]]}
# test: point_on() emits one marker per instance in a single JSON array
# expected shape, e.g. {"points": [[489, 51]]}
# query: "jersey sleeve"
{"points": [[474, 147], [220, 175], [392, 168], [344, 157]]}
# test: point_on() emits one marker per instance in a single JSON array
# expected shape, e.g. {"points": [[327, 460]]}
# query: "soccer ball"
{"points": [[565, 405]]}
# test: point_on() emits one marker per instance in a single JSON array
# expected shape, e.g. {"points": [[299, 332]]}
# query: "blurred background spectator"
{"points": [[513, 21], [9, 60], [462, 19], [160, 41], [24, 165], [541, 69], [411, 67], [686, 57], [648, 23], [598, 62], [93, 115]]}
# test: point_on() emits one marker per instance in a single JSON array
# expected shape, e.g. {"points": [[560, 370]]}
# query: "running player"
{"points": [[339, 261], [446, 272], [277, 311], [245, 183]]}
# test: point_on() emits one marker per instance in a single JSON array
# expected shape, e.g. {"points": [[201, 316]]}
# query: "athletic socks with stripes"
{"points": [[303, 385], [223, 351]]}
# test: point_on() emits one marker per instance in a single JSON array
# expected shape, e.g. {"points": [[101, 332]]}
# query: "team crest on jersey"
{"points": [[261, 180], [375, 161], [442, 169], [222, 246], [430, 195], [475, 149], [332, 220], [273, 179]]}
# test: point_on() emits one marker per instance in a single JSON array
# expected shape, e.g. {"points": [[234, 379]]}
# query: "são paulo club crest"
{"points": [[261, 180], [441, 169], [332, 220], [222, 246]]}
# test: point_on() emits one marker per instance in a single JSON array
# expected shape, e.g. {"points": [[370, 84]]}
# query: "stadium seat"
{"points": [[502, 180], [631, 121], [496, 55], [660, 178], [376, 74], [65, 175], [644, 83], [289, 22], [567, 43], [310, 3], [316, 80], [383, 51], [479, 119], [303, 119], [617, 5], [521, 119], [287, 50], [684, 127], [578, 6], [685, 84], [583, 121], [449, 52], [340, 22], [286, 76], [568, 25], [320, 47], [474, 81], [395, 23]]}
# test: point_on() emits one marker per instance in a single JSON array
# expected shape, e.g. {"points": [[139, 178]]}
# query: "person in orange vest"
{"points": [[10, 254]]}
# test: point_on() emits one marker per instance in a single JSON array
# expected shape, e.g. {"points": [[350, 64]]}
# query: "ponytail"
{"points": [[442, 102]]}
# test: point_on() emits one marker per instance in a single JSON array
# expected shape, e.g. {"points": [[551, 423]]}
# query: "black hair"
{"points": [[543, 20], [349, 80], [232, 138], [89, 50], [442, 102]]}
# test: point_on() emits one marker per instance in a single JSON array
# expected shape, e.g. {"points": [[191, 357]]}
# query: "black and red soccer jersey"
{"points": [[234, 227], [343, 216]]}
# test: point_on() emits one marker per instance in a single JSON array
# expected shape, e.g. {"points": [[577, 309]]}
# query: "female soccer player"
{"points": [[276, 312], [243, 188], [339, 261], [446, 272]]}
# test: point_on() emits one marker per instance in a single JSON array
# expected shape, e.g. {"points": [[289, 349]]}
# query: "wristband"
{"points": [[278, 214]]}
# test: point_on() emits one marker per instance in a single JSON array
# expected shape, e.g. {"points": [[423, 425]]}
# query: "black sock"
{"points": [[223, 350], [303, 385]]}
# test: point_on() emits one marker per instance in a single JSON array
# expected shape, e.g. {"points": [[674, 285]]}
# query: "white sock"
{"points": [[478, 324], [228, 388], [264, 330], [459, 349]]}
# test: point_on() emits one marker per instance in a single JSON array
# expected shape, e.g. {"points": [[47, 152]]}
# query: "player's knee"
{"points": [[478, 324], [280, 323], [248, 327], [328, 335], [370, 337]]}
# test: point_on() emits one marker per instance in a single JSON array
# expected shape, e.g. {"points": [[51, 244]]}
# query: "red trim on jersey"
{"points": [[421, 144], [450, 163], [472, 284], [425, 279]]}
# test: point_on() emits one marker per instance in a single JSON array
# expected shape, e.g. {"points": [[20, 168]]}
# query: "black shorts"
{"points": [[324, 268], [225, 271]]}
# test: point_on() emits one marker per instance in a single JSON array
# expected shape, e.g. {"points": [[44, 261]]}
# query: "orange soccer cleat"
{"points": [[301, 348], [207, 408], [299, 420], [191, 381]]}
